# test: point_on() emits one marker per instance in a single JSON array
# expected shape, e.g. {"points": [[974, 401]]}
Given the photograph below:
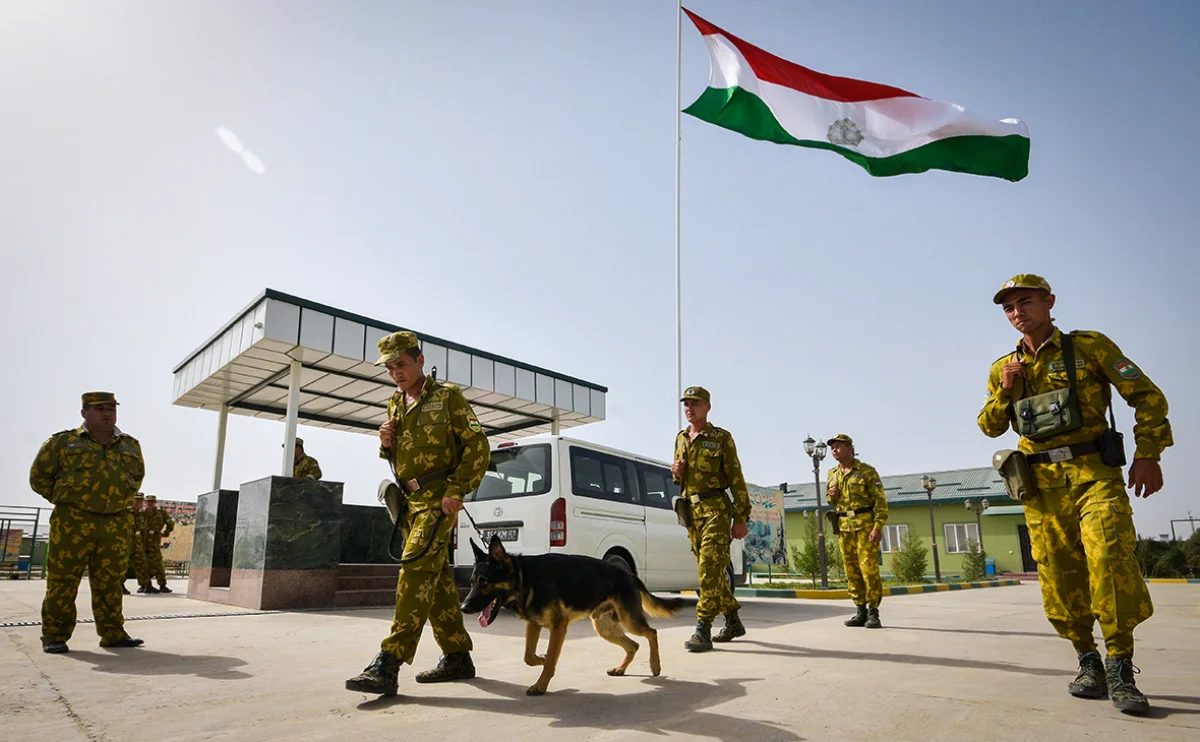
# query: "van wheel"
{"points": [[617, 560]]}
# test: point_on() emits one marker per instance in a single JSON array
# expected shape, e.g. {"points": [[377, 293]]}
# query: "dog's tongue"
{"points": [[488, 614]]}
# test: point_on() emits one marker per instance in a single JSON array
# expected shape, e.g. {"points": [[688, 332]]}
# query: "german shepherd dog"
{"points": [[554, 590]]}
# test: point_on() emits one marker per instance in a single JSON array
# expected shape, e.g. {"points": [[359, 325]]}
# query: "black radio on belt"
{"points": [[1111, 442]]}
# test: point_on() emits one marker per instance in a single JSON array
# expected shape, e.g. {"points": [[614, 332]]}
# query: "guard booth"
{"points": [[281, 542]]}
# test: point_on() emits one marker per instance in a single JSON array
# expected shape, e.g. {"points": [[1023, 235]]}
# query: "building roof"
{"points": [[953, 486], [246, 365]]}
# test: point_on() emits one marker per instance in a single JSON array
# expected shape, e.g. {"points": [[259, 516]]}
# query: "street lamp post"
{"points": [[930, 484], [978, 510], [816, 450]]}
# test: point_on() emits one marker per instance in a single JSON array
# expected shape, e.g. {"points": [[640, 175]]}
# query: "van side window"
{"points": [[659, 487], [597, 475]]}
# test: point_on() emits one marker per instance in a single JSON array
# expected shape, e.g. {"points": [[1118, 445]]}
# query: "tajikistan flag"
{"points": [[886, 130]]}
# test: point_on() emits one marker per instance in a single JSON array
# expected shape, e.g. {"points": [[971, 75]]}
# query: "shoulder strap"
{"points": [[1068, 349]]}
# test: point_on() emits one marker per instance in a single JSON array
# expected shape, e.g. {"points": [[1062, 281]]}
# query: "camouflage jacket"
{"points": [[440, 431], [307, 466], [72, 469], [158, 525], [712, 464], [1099, 366], [858, 488]]}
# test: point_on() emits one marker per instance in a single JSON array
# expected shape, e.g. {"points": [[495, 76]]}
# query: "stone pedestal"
{"points": [[285, 548]]}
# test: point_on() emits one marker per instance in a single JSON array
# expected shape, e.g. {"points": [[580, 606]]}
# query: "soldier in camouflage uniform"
{"points": [[137, 548], [1081, 521], [705, 466], [856, 491], [439, 453], [159, 525], [305, 466], [91, 475]]}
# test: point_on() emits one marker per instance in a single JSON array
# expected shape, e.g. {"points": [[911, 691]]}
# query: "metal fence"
{"points": [[24, 535]]}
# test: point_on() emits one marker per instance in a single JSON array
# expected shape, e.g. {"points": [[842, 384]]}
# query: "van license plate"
{"points": [[505, 534]]}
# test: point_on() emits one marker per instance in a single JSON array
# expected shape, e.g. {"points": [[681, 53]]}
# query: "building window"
{"points": [[957, 536], [893, 536]]}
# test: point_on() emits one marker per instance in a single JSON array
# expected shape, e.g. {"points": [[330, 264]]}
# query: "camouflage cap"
{"points": [[151, 498], [393, 346], [1021, 281], [696, 392], [91, 398], [840, 438], [299, 442], [139, 496]]}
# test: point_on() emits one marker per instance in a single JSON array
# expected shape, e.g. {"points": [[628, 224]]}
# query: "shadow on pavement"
{"points": [[906, 659], [669, 706], [148, 662], [1042, 634]]}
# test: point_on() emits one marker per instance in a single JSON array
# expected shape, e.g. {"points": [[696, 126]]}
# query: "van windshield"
{"points": [[515, 472]]}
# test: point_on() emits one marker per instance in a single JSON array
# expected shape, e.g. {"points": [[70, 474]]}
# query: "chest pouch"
{"points": [[1052, 413]]}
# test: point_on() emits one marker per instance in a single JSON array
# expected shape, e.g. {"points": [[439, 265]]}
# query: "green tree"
{"points": [[833, 557], [910, 561], [1191, 552], [806, 557], [974, 562]]}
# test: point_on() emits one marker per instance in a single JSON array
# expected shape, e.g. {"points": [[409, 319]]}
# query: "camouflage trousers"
{"points": [[137, 560], [157, 571], [426, 591], [1083, 539], [81, 540], [861, 558], [710, 534]]}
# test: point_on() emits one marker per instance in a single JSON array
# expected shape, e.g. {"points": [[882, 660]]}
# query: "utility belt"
{"points": [[416, 483], [856, 511], [696, 498], [835, 517], [1063, 453], [1016, 468]]}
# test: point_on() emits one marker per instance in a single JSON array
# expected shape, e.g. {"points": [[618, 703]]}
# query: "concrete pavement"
{"points": [[982, 664]]}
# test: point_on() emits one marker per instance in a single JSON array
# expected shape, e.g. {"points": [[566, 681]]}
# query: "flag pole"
{"points": [[678, 310]]}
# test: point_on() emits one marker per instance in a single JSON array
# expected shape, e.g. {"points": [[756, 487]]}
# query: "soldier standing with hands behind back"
{"points": [[90, 474], [705, 466]]}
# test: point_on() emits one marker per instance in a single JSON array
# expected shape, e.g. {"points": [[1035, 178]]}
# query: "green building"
{"points": [[1000, 527]]}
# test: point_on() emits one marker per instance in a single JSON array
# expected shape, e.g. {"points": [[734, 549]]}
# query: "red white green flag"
{"points": [[886, 130]]}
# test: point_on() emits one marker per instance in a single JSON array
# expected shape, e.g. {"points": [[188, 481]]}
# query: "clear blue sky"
{"points": [[502, 174]]}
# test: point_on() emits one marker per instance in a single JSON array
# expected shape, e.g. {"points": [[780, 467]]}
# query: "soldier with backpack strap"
{"points": [[1053, 391]]}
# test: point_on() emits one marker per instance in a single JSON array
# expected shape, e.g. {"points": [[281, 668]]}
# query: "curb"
{"points": [[751, 592], [1174, 580]]}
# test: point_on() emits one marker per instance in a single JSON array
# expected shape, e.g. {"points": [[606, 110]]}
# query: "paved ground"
{"points": [[979, 664]]}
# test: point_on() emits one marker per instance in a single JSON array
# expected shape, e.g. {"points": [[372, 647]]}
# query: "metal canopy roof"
{"points": [[246, 365]]}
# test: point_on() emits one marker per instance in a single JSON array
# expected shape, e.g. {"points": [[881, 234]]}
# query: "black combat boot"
{"points": [[151, 589], [162, 588], [1090, 682], [456, 666], [141, 588], [733, 628], [124, 590], [378, 677], [873, 619], [701, 641], [1125, 696], [859, 618]]}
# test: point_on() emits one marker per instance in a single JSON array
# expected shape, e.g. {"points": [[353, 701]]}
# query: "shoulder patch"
{"points": [[1127, 369], [473, 424]]}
